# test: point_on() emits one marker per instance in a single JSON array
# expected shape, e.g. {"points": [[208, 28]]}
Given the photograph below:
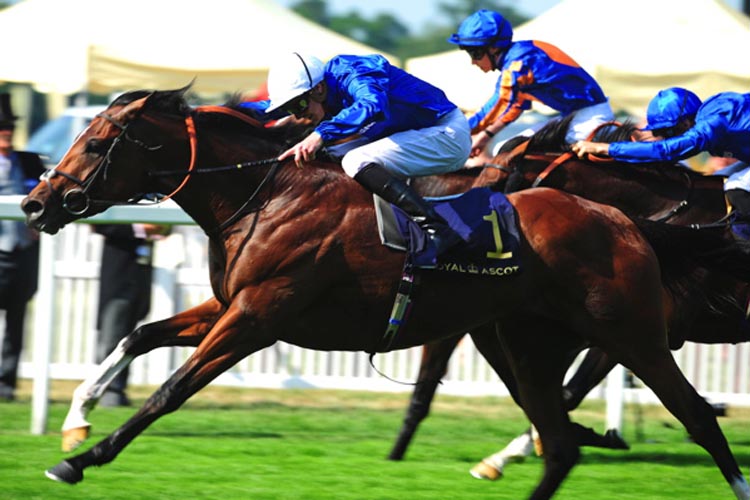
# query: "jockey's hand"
{"points": [[305, 150], [583, 148], [478, 144]]}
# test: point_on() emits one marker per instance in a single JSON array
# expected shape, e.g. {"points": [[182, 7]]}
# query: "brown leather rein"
{"points": [[568, 155]]}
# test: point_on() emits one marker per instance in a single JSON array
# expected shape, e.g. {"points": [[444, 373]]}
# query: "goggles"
{"points": [[476, 53], [298, 105]]}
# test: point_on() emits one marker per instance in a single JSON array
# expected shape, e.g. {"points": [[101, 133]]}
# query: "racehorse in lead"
{"points": [[289, 249], [666, 192]]}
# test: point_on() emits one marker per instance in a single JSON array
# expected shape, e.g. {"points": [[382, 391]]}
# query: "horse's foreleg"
{"points": [[487, 342], [492, 467], [539, 362], [226, 344], [185, 329], [433, 367]]}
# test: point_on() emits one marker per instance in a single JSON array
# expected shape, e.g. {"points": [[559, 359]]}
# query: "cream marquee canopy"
{"points": [[106, 46]]}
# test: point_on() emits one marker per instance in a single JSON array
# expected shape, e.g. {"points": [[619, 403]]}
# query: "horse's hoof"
{"points": [[538, 449], [73, 438], [615, 440], [483, 470], [65, 473]]}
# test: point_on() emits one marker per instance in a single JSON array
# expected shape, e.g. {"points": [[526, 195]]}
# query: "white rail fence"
{"points": [[720, 372]]}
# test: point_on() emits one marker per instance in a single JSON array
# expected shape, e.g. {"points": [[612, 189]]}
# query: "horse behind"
{"points": [[713, 313], [290, 249]]}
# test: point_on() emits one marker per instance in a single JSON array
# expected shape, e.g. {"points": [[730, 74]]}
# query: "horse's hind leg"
{"points": [[539, 360], [659, 371], [185, 329], [491, 467], [435, 356], [595, 365]]}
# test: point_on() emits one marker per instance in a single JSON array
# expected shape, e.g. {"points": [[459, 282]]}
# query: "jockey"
{"points": [[721, 126], [385, 124], [529, 70]]}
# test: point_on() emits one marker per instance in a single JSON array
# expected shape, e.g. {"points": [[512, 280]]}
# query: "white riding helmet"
{"points": [[293, 75]]}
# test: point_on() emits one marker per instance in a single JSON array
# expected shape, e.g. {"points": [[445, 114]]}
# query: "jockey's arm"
{"points": [[480, 139]]}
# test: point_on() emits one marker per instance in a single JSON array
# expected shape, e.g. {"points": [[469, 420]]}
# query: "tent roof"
{"points": [[635, 48], [108, 45]]}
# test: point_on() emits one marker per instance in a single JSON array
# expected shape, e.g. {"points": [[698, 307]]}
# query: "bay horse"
{"points": [[660, 191], [293, 256]]}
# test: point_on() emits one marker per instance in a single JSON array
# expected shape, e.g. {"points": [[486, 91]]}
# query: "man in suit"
{"points": [[124, 292], [19, 249]]}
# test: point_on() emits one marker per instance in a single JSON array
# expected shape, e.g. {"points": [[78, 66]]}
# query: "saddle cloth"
{"points": [[483, 218]]}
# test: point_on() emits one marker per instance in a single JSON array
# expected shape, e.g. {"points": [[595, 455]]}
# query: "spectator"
{"points": [[19, 249], [124, 292]]}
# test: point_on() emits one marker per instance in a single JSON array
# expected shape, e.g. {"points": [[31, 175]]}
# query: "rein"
{"points": [[569, 154], [240, 212]]}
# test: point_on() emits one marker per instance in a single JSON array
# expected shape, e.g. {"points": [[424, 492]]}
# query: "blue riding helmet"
{"points": [[483, 28], [670, 106]]}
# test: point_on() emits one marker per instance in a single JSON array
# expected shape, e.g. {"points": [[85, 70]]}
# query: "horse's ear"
{"points": [[517, 153], [513, 150], [184, 90], [133, 110]]}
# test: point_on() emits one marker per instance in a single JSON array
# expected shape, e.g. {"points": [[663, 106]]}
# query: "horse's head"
{"points": [[105, 166], [528, 160]]}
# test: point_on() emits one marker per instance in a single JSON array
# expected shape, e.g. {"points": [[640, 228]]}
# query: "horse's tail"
{"points": [[687, 255]]}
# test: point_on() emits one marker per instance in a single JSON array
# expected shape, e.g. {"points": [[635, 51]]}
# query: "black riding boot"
{"points": [[379, 181]]}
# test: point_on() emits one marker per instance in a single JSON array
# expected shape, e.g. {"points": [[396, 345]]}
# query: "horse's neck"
{"points": [[638, 191], [216, 201]]}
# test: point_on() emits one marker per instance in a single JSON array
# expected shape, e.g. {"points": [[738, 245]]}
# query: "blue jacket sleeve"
{"points": [[368, 94], [683, 146]]}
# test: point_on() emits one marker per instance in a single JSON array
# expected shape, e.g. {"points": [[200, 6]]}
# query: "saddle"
{"points": [[483, 218]]}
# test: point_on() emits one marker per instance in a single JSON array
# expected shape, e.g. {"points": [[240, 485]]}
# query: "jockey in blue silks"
{"points": [[529, 70], [720, 126], [384, 123]]}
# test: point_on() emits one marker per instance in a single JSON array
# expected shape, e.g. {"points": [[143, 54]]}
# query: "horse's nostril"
{"points": [[31, 206]]}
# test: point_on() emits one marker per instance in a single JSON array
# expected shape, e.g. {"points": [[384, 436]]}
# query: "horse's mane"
{"points": [[173, 102], [551, 137]]}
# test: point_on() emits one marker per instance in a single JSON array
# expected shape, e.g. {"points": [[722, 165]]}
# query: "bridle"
{"points": [[77, 201]]}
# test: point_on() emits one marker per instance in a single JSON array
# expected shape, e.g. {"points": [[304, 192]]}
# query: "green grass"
{"points": [[293, 445]]}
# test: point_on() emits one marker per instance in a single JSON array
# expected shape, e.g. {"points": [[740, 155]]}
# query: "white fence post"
{"points": [[44, 320], [615, 394]]}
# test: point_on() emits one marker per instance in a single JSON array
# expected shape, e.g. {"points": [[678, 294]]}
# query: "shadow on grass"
{"points": [[661, 457], [203, 433]]}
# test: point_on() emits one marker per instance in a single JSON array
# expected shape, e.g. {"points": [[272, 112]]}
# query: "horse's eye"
{"points": [[96, 147]]}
